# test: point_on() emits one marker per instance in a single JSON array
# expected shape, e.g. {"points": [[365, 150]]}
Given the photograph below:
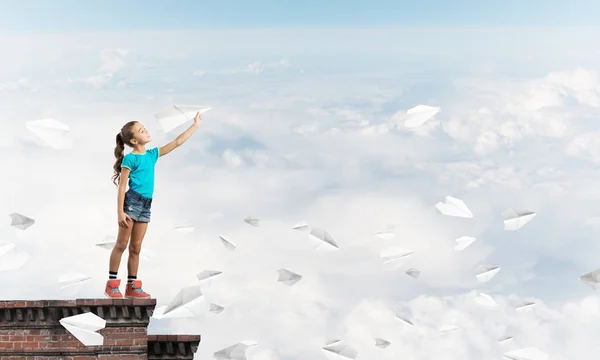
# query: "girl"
{"points": [[133, 205]]}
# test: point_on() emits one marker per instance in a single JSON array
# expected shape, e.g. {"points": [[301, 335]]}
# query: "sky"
{"points": [[307, 124]]}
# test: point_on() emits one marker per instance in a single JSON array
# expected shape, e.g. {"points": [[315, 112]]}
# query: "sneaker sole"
{"points": [[112, 297], [137, 297]]}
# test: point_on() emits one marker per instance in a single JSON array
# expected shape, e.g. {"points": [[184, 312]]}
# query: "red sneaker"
{"points": [[112, 289], [134, 291]]}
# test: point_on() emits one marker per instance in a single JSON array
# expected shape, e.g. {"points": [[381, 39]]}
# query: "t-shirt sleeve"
{"points": [[127, 162], [155, 152]]}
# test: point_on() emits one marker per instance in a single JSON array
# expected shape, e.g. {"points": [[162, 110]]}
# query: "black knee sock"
{"points": [[130, 279], [112, 275]]}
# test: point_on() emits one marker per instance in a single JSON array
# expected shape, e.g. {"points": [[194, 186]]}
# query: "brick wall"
{"points": [[30, 330]]}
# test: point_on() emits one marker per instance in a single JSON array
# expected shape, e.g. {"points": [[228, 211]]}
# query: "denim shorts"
{"points": [[137, 206]]}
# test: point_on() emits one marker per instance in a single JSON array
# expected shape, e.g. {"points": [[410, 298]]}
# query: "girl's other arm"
{"points": [[164, 150], [121, 198]]}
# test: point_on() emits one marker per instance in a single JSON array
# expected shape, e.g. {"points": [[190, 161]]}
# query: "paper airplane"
{"points": [[252, 221], [516, 219], [394, 253], [387, 234], [184, 228], [205, 276], [323, 239], [419, 114], [485, 300], [53, 133], [236, 351], [70, 283], [524, 306], [338, 350], [412, 272], [454, 207], [216, 309], [404, 319], [485, 273], [505, 339], [177, 115], [301, 226], [445, 329], [592, 279], [463, 242], [184, 304], [20, 222], [10, 257], [84, 327], [529, 353], [229, 245], [287, 277], [382, 343]]}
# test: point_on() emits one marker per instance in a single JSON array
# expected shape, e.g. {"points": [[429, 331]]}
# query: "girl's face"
{"points": [[140, 134]]}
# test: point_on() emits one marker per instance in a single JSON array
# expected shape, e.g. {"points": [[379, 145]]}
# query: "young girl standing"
{"points": [[133, 205]]}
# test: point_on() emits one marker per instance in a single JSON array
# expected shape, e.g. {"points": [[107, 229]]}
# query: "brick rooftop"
{"points": [[30, 330]]}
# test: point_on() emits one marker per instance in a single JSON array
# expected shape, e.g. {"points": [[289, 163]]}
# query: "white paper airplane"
{"points": [[20, 221], [463, 242], [252, 221], [70, 283], [323, 239], [485, 300], [404, 319], [529, 353], [414, 273], [339, 351], [485, 273], [419, 114], [524, 306], [445, 329], [184, 228], [454, 207], [236, 351], [592, 279], [177, 115], [215, 308], [505, 339], [10, 257], [84, 327], [387, 234], [516, 219], [287, 277], [206, 276], [229, 245], [186, 303], [53, 133], [381, 343], [395, 253], [301, 226]]}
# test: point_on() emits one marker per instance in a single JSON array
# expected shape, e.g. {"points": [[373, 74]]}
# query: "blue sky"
{"points": [[113, 15]]}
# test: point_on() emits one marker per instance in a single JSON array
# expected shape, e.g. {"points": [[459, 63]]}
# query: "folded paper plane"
{"points": [[419, 114], [516, 219], [84, 327], [177, 115], [287, 277], [454, 207], [235, 352], [463, 242], [21, 222], [52, 132]]}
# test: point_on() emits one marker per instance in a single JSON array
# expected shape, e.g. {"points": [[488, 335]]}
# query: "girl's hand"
{"points": [[124, 220], [197, 119]]}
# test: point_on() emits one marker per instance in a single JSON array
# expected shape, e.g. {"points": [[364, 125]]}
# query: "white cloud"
{"points": [[326, 148]]}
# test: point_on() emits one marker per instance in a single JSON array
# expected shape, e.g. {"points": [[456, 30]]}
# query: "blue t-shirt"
{"points": [[141, 178]]}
